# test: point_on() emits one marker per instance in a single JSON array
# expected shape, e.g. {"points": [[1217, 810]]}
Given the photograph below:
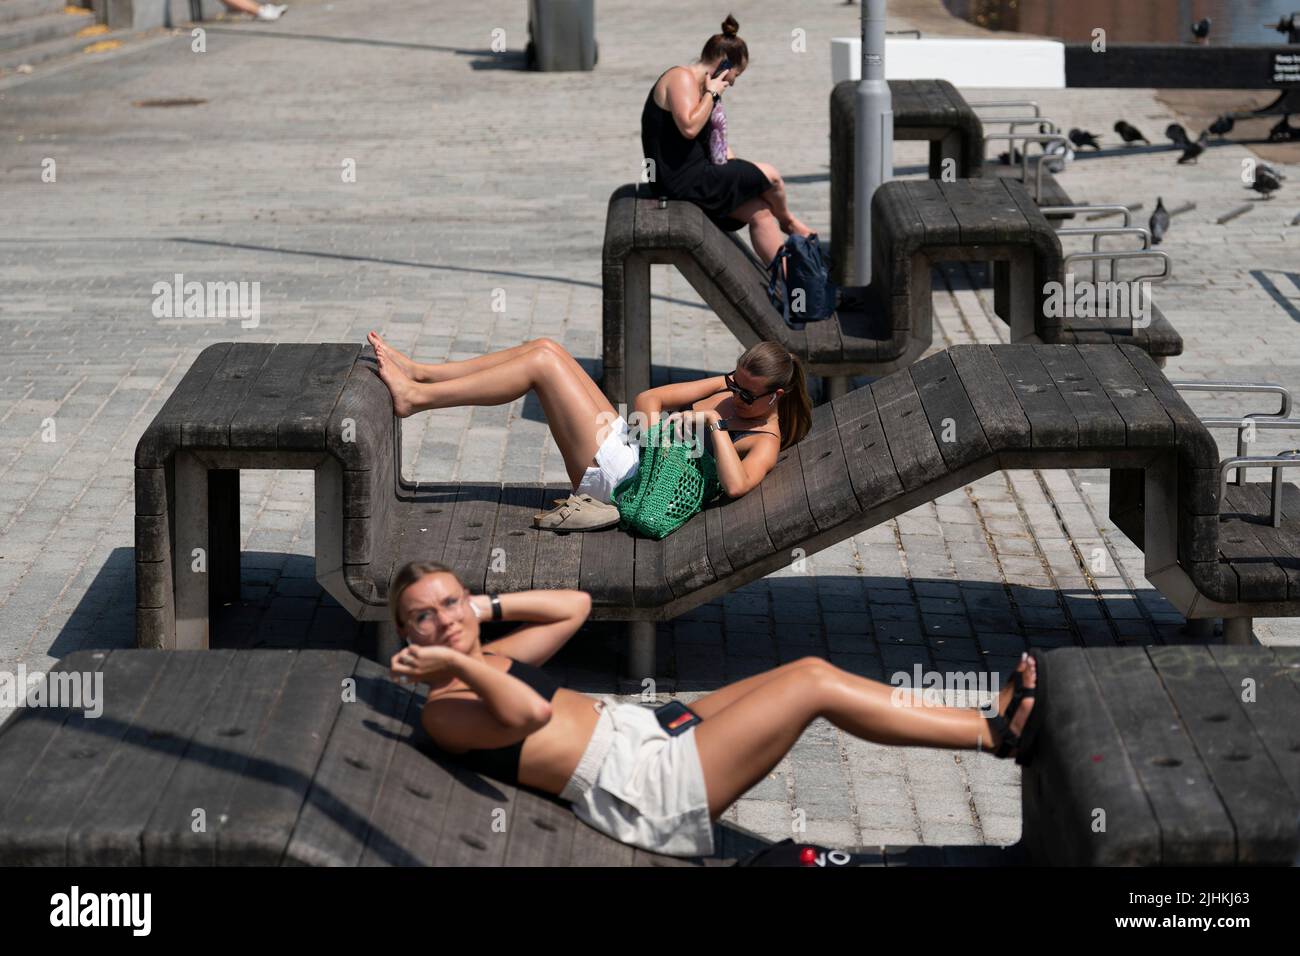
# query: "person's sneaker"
{"points": [[271, 11], [578, 513]]}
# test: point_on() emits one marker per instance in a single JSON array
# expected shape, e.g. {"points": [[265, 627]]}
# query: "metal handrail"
{"points": [[1125, 254], [1248, 422], [1014, 121], [1287, 459], [985, 104], [1098, 231], [1042, 139], [1089, 207], [1266, 388]]}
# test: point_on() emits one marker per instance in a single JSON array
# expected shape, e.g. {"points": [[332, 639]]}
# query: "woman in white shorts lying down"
{"points": [[499, 713], [766, 395]]}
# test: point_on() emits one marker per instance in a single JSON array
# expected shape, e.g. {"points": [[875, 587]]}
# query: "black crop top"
{"points": [[502, 763]]}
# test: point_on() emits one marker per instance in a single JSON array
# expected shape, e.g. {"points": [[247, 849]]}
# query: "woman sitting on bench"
{"points": [[656, 779], [765, 397], [675, 129]]}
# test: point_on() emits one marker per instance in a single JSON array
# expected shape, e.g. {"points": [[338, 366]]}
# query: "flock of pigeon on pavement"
{"points": [[1265, 181]]}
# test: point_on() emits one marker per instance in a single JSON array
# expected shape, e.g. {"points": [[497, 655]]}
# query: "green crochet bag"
{"points": [[672, 483]]}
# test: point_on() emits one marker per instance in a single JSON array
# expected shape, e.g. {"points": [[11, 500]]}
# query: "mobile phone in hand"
{"points": [[723, 67]]}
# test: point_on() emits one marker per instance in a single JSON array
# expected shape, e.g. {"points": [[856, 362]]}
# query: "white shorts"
{"points": [[616, 461], [641, 785]]}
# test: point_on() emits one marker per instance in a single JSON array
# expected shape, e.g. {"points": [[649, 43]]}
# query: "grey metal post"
{"points": [[641, 653], [873, 147]]}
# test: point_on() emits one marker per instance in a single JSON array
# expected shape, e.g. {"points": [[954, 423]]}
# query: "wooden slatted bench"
{"points": [[918, 223], [1166, 756], [926, 110], [871, 455], [268, 758], [872, 336], [922, 110]]}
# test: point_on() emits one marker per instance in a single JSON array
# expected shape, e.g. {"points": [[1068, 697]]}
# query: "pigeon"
{"points": [[1081, 138], [1130, 134], [1201, 29], [1177, 135], [1222, 126], [1058, 155], [1159, 221], [1193, 150], [1267, 180]]}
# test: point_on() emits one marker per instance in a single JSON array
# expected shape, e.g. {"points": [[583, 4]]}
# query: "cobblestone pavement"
{"points": [[473, 176]]}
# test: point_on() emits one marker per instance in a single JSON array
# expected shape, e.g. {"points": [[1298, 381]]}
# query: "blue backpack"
{"points": [[807, 294]]}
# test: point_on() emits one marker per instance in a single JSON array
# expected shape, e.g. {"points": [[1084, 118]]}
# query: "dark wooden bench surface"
{"points": [[863, 337], [926, 221], [930, 109], [1166, 756], [1052, 194], [284, 770], [1159, 339], [918, 223], [871, 454]]}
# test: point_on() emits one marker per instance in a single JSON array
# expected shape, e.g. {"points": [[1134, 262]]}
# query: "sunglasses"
{"points": [[744, 394]]}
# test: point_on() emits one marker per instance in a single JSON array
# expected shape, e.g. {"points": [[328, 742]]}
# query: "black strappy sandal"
{"points": [[1008, 740], [1034, 723]]}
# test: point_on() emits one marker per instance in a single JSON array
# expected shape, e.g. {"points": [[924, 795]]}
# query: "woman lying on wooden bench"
{"points": [[655, 779], [766, 395]]}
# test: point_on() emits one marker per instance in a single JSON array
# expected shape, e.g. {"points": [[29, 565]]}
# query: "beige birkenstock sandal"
{"points": [[578, 513]]}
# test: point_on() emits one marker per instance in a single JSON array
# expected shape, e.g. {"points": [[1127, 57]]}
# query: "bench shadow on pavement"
{"points": [[873, 626]]}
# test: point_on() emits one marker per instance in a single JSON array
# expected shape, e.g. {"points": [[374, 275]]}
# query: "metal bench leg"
{"points": [[834, 386], [190, 568], [636, 328], [1002, 290], [223, 535], [947, 148], [1022, 298], [1238, 630], [641, 650]]}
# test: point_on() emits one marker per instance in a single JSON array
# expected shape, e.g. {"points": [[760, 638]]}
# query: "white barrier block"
{"points": [[962, 61]]}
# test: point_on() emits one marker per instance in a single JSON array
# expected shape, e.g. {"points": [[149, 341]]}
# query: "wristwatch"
{"points": [[719, 426], [496, 605], [716, 97]]}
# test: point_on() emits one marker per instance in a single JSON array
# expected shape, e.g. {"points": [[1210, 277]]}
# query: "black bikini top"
{"points": [[744, 431], [502, 763]]}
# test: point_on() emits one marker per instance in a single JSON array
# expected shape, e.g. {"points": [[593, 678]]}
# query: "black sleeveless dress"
{"points": [[682, 169]]}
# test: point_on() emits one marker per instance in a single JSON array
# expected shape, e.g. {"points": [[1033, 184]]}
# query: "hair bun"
{"points": [[730, 27]]}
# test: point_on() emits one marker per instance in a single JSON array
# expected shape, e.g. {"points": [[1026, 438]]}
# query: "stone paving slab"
{"points": [[480, 185]]}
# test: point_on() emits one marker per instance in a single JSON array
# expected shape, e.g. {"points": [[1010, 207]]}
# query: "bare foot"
{"points": [[410, 369], [794, 227], [404, 391], [1028, 670]]}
